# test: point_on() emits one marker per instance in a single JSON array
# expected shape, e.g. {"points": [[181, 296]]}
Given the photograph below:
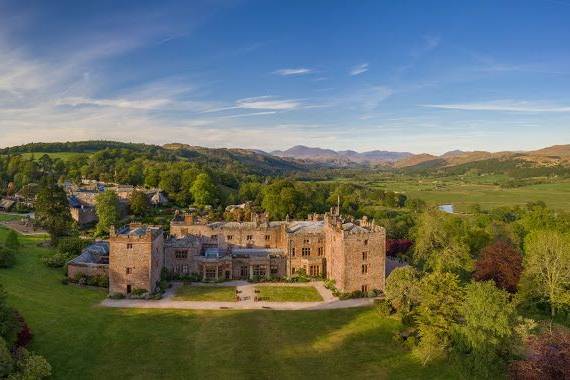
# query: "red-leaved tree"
{"points": [[548, 358], [501, 262]]}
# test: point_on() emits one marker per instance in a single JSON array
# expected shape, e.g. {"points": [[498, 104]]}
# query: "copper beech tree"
{"points": [[500, 262]]}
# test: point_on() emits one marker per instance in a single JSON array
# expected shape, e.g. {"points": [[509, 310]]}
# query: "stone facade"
{"points": [[351, 252], [136, 257]]}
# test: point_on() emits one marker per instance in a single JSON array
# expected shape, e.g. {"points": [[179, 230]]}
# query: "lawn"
{"points": [[85, 341], [8, 217], [205, 293], [277, 293]]}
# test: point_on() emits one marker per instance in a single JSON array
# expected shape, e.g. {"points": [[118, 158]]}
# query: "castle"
{"points": [[351, 252]]}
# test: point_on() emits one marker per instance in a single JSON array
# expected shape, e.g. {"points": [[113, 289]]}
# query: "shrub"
{"points": [[25, 334], [71, 246], [57, 260], [7, 257], [116, 296], [11, 241], [384, 308]]}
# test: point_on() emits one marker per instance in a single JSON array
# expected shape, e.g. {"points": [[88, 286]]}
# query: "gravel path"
{"points": [[246, 290]]}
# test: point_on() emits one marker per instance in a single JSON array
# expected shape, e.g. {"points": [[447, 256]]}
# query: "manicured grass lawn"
{"points": [[8, 217], [278, 293], [205, 293], [82, 340]]}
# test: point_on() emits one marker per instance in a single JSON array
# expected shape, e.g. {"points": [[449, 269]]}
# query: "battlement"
{"points": [[135, 231]]}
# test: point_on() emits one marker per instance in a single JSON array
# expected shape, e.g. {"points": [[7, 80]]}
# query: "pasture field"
{"points": [[62, 155], [83, 340]]}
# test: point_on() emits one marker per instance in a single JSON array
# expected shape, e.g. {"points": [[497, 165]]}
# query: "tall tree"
{"points": [[107, 208], [439, 244], [402, 289], [547, 267], [438, 314], [489, 319], [204, 190], [500, 262], [138, 203], [52, 211]]}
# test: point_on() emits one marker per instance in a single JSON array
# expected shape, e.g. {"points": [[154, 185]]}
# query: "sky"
{"points": [[418, 76]]}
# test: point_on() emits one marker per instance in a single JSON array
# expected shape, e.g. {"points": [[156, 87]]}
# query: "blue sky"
{"points": [[420, 76]]}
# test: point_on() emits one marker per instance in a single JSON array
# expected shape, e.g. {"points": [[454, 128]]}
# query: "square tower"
{"points": [[136, 258]]}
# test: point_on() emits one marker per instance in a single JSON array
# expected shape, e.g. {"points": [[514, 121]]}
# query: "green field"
{"points": [[205, 293], [277, 293], [464, 192], [85, 341], [61, 155], [9, 217]]}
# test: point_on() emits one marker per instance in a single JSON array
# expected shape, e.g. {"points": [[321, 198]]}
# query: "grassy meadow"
{"points": [[82, 340]]}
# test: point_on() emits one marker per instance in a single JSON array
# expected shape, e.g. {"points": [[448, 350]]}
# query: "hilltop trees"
{"points": [[107, 207], [547, 267], [52, 211]]}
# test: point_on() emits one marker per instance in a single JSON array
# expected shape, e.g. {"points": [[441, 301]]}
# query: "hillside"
{"points": [[244, 160], [301, 152]]}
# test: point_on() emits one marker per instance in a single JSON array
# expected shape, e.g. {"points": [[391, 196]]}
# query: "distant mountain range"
{"points": [[554, 155], [301, 152]]}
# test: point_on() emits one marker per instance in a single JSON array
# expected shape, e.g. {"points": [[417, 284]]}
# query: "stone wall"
{"points": [[135, 262], [90, 270]]}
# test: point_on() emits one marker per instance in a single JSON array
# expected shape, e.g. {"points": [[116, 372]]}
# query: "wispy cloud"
{"points": [[268, 103], [503, 106], [293, 71], [358, 69]]}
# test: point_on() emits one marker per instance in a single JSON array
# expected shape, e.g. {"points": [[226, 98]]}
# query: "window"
{"points": [[292, 251], [364, 288], [129, 246], [267, 237], [185, 268], [129, 270], [314, 270], [364, 255], [305, 251], [274, 269], [267, 246], [293, 270], [210, 273], [214, 237], [259, 270], [181, 254], [249, 237], [366, 242], [320, 251], [306, 241], [364, 268], [229, 237]]}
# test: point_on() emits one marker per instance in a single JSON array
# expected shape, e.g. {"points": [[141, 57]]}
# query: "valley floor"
{"points": [[84, 340]]}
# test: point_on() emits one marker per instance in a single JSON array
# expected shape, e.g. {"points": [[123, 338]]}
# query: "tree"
{"points": [[489, 319], [438, 313], [9, 325], [204, 190], [281, 198], [107, 208], [52, 211], [11, 241], [547, 267], [500, 262], [439, 245], [138, 203], [549, 358], [402, 289]]}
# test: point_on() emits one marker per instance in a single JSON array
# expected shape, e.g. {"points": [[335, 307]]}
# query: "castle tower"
{"points": [[136, 258]]}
